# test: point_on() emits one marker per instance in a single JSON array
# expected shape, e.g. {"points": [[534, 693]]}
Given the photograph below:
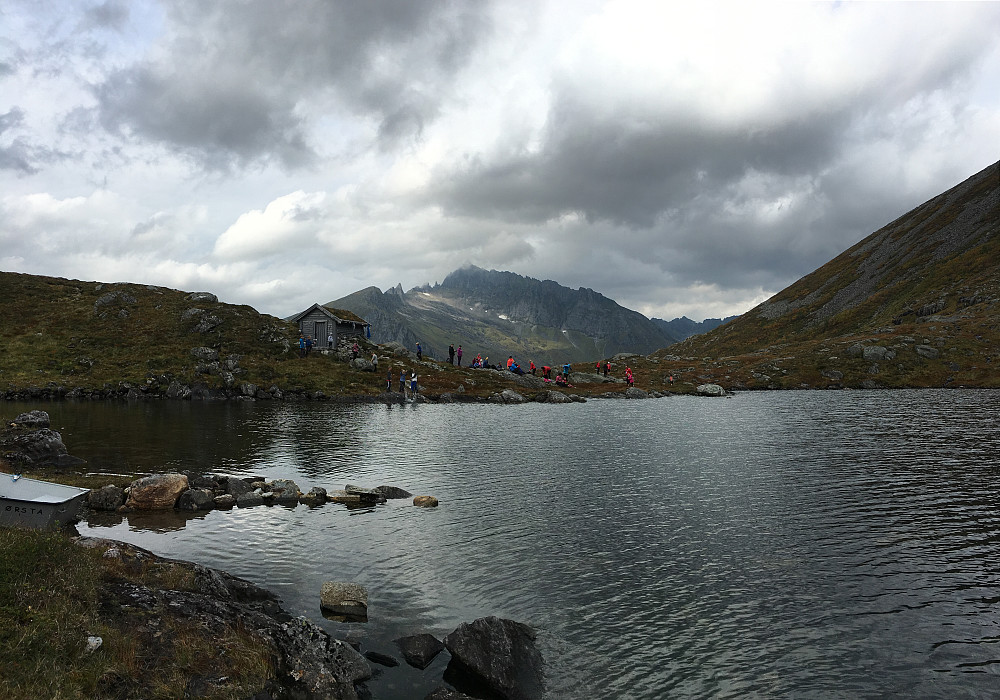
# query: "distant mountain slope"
{"points": [[683, 327], [502, 313], [925, 288]]}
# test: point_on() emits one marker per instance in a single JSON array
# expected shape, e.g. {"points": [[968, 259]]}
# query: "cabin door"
{"points": [[321, 333]]}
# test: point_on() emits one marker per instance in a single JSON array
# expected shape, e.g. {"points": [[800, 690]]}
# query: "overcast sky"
{"points": [[681, 158]]}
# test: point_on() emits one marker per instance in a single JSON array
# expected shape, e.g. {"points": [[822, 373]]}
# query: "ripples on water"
{"points": [[806, 544]]}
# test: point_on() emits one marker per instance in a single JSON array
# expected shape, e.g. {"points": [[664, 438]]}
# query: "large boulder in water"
{"points": [[342, 598], [284, 490], [157, 492], [710, 390], [391, 492], [420, 649], [498, 654]]}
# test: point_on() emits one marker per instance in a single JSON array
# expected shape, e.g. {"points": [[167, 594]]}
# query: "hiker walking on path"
{"points": [[420, 353]]}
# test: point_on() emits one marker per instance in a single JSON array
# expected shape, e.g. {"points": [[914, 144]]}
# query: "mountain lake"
{"points": [[786, 544]]}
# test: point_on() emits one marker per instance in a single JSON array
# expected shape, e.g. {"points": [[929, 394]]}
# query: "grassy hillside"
{"points": [[68, 337], [925, 289]]}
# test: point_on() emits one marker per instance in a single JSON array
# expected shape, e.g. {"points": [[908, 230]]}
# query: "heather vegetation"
{"points": [[64, 634]]}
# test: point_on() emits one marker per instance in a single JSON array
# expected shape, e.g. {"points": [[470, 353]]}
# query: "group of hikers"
{"points": [[512, 365], [306, 344]]}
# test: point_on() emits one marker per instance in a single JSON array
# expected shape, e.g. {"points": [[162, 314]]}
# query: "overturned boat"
{"points": [[38, 504]]}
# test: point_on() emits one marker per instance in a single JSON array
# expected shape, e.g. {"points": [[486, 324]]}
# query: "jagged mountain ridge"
{"points": [[683, 328], [502, 313], [928, 280]]}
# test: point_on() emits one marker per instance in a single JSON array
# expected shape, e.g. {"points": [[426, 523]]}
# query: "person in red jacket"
{"points": [[531, 366]]}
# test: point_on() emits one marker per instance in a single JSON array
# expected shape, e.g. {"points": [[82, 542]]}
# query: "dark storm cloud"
{"points": [[240, 81], [112, 14], [223, 124], [631, 167]]}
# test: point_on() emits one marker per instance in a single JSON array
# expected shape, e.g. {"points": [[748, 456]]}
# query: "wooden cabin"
{"points": [[319, 321]]}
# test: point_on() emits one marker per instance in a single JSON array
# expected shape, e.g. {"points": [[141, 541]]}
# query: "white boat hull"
{"points": [[38, 504]]}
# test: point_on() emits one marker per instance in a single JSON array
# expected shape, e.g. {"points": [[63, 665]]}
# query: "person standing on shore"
{"points": [[402, 382], [388, 380], [413, 384], [451, 354], [420, 353], [459, 355]]}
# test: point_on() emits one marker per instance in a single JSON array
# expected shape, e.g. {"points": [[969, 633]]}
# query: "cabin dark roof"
{"points": [[338, 315], [344, 314]]}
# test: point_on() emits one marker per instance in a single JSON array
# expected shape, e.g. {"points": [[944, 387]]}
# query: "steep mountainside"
{"points": [[502, 313], [914, 304]]}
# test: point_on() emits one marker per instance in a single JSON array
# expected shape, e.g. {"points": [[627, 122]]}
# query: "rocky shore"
{"points": [[489, 657]]}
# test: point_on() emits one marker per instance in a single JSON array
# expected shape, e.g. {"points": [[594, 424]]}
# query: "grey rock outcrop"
{"points": [[33, 419], [307, 662], [236, 487], [710, 390], [196, 499], [284, 490], [250, 499], [928, 352], [393, 492], [552, 396], [499, 654], [315, 496], [44, 446], [507, 396], [205, 354]]}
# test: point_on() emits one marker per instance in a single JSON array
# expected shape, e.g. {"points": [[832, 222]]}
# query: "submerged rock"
{"points": [[425, 501], [498, 654]]}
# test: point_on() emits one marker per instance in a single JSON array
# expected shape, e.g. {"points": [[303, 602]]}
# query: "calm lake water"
{"points": [[792, 544]]}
